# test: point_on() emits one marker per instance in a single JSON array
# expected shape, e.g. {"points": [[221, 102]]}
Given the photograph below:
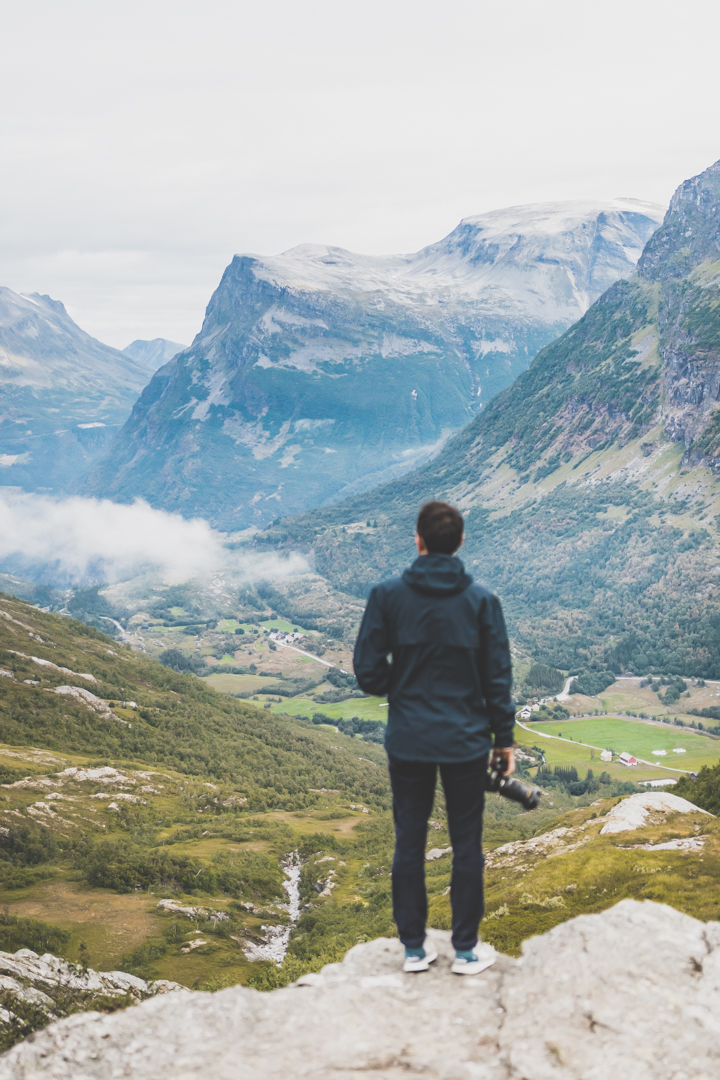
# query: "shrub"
{"points": [[592, 683], [179, 661], [542, 677]]}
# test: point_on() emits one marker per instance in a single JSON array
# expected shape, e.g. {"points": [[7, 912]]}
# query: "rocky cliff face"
{"points": [[64, 394], [683, 263], [321, 372], [632, 992]]}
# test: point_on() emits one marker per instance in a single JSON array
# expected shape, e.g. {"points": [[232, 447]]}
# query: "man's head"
{"points": [[439, 529]]}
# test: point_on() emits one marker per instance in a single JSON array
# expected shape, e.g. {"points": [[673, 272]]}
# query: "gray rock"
{"points": [[54, 987], [632, 992]]}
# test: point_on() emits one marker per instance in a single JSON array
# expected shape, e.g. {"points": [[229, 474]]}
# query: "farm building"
{"points": [[606, 755], [627, 759]]}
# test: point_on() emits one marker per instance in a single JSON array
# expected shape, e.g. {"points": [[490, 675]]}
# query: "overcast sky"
{"points": [[143, 143]]}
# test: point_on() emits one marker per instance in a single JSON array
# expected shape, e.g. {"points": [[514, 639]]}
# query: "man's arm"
{"points": [[370, 661], [496, 677]]}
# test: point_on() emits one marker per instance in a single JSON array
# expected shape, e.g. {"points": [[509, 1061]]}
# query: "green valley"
{"points": [[589, 487], [153, 825]]}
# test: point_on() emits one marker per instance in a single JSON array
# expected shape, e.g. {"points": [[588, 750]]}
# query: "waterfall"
{"points": [[277, 938]]}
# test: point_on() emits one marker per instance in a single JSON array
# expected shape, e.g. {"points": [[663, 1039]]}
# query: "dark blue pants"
{"points": [[413, 788]]}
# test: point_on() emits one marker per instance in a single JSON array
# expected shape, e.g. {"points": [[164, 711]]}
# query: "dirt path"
{"points": [[303, 653]]}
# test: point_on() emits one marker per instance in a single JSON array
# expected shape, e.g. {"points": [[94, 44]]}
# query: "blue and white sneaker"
{"points": [[420, 959], [473, 961]]}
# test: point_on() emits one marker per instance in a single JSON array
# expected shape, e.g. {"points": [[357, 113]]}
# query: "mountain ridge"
{"points": [[153, 353], [65, 394], [319, 371]]}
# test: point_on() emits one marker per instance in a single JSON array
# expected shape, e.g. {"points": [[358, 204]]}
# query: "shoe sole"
{"points": [[473, 968], [424, 964]]}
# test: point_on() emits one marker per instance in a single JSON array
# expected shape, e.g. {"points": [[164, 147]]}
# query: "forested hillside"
{"points": [[590, 487]]}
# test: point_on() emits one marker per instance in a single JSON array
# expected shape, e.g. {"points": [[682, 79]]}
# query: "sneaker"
{"points": [[420, 959], [473, 961]]}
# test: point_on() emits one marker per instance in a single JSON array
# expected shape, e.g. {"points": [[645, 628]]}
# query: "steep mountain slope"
{"points": [[153, 353], [64, 394], [127, 789], [320, 372], [591, 485]]}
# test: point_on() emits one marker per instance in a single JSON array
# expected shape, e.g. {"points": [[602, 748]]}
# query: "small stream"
{"points": [[276, 938]]}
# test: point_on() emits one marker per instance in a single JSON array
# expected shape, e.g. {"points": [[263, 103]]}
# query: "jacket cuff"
{"points": [[503, 742]]}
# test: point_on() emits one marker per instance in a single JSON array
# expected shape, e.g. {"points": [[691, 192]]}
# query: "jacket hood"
{"points": [[437, 575]]}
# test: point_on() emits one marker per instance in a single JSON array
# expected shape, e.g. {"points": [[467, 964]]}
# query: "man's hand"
{"points": [[503, 758]]}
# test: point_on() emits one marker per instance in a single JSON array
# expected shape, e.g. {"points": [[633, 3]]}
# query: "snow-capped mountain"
{"points": [[153, 353], [64, 394], [320, 372]]}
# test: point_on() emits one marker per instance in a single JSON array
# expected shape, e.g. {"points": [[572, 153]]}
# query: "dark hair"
{"points": [[440, 527]]}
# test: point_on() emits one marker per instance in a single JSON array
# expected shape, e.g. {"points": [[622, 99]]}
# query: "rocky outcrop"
{"points": [[632, 992], [652, 808], [690, 233], [35, 989]]}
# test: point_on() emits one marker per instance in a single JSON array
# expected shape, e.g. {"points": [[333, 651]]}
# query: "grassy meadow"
{"points": [[619, 734]]}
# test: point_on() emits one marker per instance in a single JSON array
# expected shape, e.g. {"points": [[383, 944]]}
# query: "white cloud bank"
{"points": [[78, 540]]}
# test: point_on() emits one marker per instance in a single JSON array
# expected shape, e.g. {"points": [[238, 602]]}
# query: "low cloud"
{"points": [[77, 541]]}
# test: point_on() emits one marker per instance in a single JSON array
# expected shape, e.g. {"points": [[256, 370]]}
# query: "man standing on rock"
{"points": [[448, 687]]}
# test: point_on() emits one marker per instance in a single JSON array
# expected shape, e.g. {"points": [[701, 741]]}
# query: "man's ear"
{"points": [[422, 550]]}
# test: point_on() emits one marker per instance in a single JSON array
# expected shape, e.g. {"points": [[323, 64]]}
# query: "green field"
{"points": [[365, 708], [635, 736], [230, 625], [242, 684], [284, 626]]}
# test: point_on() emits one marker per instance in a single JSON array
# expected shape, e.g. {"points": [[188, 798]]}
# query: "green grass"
{"points": [[638, 738], [366, 708], [599, 874], [284, 625], [238, 684]]}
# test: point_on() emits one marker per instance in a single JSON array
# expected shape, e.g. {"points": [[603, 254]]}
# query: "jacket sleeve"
{"points": [[496, 671], [372, 669]]}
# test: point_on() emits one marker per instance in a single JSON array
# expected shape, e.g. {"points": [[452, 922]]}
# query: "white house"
{"points": [[526, 713], [606, 755], [627, 759]]}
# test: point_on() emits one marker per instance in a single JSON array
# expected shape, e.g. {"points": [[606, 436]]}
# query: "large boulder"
{"points": [[632, 992]]}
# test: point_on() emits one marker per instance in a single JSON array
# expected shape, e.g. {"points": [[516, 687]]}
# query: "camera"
{"points": [[511, 788]]}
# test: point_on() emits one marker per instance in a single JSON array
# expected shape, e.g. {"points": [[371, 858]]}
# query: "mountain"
{"points": [[153, 353], [321, 372], [590, 486], [64, 394]]}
